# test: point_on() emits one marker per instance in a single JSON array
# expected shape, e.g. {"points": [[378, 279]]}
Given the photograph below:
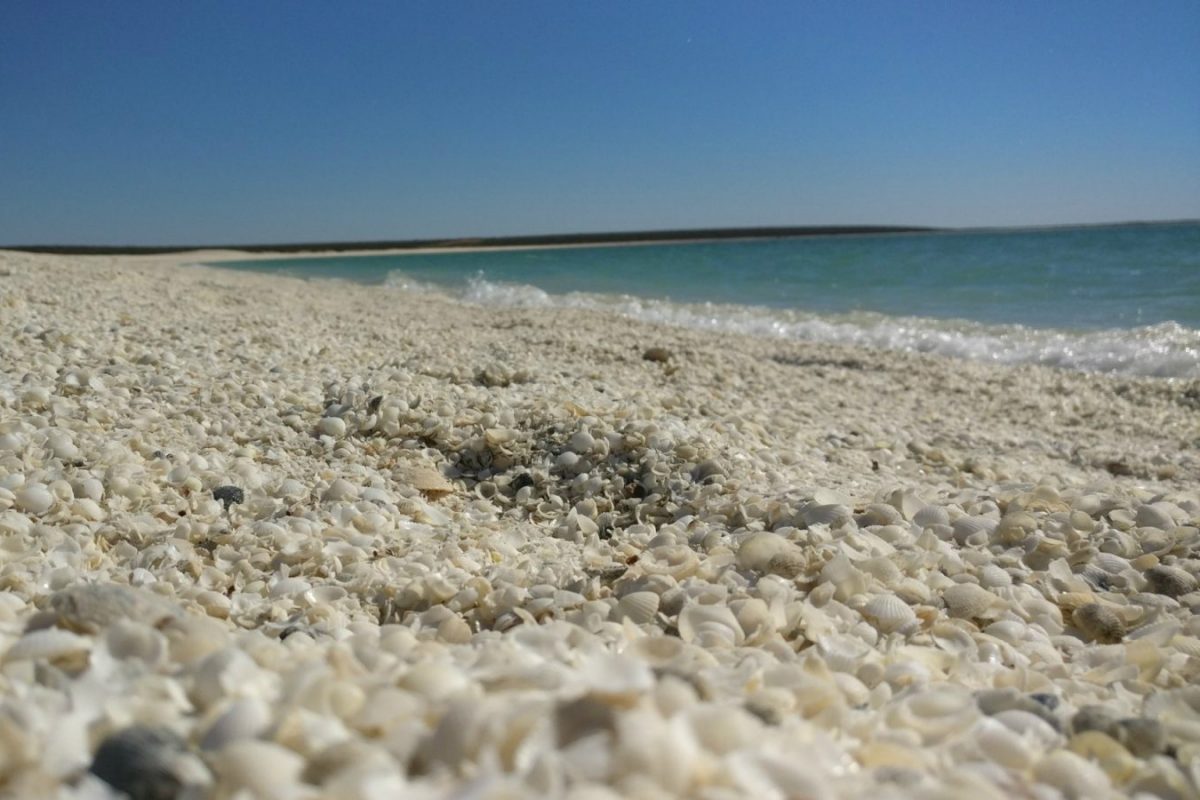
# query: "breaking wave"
{"points": [[1163, 350]]}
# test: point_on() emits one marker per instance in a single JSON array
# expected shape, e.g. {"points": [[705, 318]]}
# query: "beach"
{"points": [[316, 539]]}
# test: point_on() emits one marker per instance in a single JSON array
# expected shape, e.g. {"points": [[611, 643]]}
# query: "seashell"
{"points": [[50, 644], [1099, 623], [772, 554], [1072, 775], [429, 482], [675, 560], [843, 653], [969, 601], [125, 639], [1170, 581], [835, 515], [934, 715], [639, 608], [1156, 515], [34, 498], [966, 527], [244, 718], [1110, 562], [880, 514], [149, 764], [993, 577], [883, 569], [907, 502], [258, 769], [88, 608], [999, 744], [951, 638], [847, 579], [1142, 736], [931, 515], [709, 626], [889, 614]]}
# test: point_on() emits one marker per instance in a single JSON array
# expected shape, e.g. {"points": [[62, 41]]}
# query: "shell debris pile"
{"points": [[261, 537]]}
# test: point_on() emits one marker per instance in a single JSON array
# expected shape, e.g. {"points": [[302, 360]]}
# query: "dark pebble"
{"points": [[660, 355], [1045, 699], [1143, 737], [1094, 718], [229, 495], [142, 762], [521, 481]]}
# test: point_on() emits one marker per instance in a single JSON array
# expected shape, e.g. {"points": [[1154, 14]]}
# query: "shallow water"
{"points": [[1122, 299]]}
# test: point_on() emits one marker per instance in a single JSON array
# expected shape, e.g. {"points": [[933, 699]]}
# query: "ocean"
{"points": [[1121, 299]]}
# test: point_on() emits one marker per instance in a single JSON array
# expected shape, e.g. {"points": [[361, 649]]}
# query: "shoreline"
{"points": [[533, 546]]}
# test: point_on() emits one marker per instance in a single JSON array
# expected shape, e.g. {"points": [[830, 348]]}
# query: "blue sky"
{"points": [[241, 122]]}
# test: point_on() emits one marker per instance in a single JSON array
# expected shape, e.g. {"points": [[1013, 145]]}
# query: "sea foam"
{"points": [[1163, 350]]}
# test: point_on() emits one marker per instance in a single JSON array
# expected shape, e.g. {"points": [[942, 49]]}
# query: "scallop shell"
{"points": [[763, 550], [638, 607], [889, 614], [969, 601], [1169, 581], [709, 626], [931, 515], [1099, 623]]}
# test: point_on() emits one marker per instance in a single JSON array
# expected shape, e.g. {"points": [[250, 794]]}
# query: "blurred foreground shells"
{"points": [[431, 550]]}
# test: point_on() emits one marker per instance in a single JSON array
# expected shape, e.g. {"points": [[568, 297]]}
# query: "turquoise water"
{"points": [[1122, 299]]}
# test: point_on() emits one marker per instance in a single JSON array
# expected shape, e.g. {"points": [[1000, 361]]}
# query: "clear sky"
{"points": [[241, 122]]}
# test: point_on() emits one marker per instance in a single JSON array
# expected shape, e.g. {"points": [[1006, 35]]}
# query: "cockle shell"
{"points": [[637, 607], [889, 614], [1099, 623]]}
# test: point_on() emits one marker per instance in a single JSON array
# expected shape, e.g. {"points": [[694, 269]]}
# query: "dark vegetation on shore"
{"points": [[620, 237]]}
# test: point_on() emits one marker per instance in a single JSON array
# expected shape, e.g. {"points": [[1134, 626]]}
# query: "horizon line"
{"points": [[650, 236]]}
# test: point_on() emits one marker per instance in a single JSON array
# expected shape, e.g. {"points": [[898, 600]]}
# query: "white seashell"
{"points": [[967, 527], [339, 489], [1156, 515], [847, 579], [935, 714], [637, 607], [757, 552], [332, 426], [88, 608], [889, 614], [34, 498], [710, 626], [1001, 745], [969, 601], [931, 515], [429, 482], [843, 653], [883, 569], [259, 769], [835, 515], [50, 644], [129, 639], [244, 718], [993, 577], [1072, 775]]}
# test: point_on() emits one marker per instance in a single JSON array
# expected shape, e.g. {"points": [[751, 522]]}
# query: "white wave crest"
{"points": [[1164, 350]]}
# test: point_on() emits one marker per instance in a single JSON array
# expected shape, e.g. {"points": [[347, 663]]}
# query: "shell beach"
{"points": [[263, 537]]}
